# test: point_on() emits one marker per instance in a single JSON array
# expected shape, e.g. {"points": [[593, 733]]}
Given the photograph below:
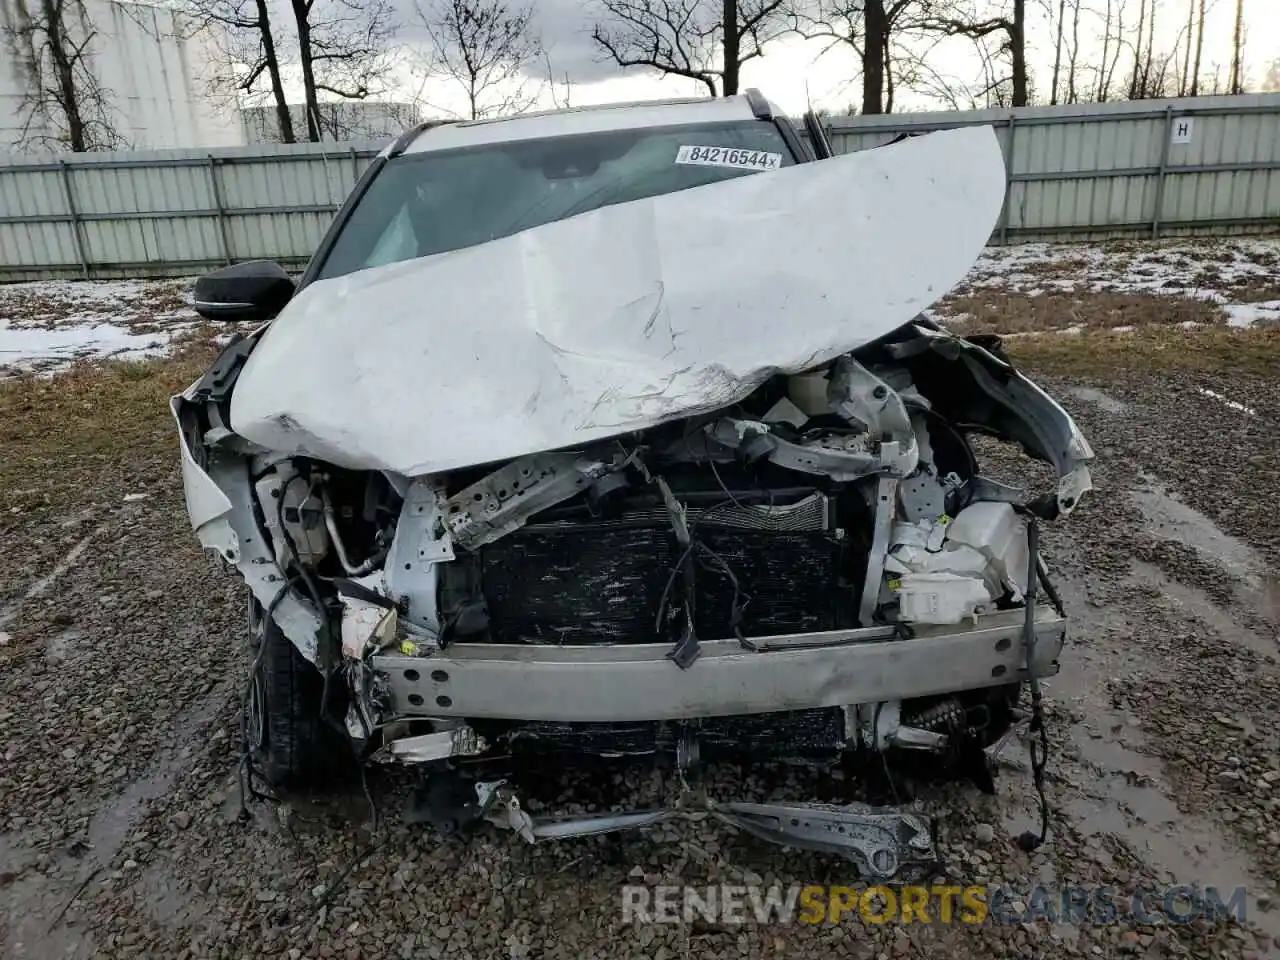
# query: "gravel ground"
{"points": [[120, 826]]}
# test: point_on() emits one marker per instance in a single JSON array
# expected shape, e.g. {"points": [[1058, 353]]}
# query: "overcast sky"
{"points": [[795, 72]]}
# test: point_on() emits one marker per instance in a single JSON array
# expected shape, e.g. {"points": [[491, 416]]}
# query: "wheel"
{"points": [[291, 743]]}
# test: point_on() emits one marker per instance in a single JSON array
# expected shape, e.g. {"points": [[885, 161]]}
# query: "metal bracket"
{"points": [[418, 546], [501, 807], [505, 499], [881, 843], [461, 741], [886, 491]]}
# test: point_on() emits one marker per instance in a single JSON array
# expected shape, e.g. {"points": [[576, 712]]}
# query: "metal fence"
{"points": [[170, 212], [1209, 165], [1148, 169]]}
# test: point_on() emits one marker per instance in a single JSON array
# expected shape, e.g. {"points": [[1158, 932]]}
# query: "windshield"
{"points": [[427, 203]]}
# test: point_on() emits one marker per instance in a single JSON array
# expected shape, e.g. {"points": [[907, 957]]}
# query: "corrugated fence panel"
{"points": [[287, 237], [1148, 168], [1120, 169], [170, 212]]}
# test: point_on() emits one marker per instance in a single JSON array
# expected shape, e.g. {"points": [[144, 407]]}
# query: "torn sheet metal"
{"points": [[980, 386], [504, 500], [621, 318], [220, 503]]}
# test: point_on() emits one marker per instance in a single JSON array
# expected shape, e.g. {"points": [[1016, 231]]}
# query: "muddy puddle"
{"points": [[37, 904], [1114, 786]]}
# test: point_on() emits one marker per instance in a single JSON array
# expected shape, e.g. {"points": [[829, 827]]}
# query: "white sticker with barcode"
{"points": [[735, 157]]}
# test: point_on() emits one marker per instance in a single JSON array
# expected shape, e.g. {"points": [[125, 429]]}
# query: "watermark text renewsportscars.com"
{"points": [[939, 903]]}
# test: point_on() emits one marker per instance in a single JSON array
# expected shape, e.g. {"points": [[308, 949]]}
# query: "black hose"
{"points": [[1039, 743]]}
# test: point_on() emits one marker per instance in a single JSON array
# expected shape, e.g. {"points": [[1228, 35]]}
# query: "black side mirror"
{"points": [[253, 291]]}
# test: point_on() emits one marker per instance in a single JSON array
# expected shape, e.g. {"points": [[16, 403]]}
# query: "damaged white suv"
{"points": [[618, 432]]}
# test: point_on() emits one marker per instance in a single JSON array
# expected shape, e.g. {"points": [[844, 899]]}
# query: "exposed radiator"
{"points": [[603, 581]]}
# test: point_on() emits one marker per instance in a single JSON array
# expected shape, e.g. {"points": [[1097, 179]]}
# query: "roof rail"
{"points": [[402, 142], [759, 105], [586, 108]]}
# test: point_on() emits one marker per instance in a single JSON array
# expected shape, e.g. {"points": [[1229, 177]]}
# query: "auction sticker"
{"points": [[728, 157]]}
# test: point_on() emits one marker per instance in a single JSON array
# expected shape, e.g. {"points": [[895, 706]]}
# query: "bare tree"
{"points": [[1060, 22], [560, 102], [1153, 73], [1099, 88], [922, 76], [1137, 50], [63, 103], [1195, 67], [1151, 41], [252, 51], [1271, 82], [1237, 50], [1112, 47], [1009, 25], [869, 28], [704, 40], [1073, 53], [1186, 53], [342, 50], [486, 48]]}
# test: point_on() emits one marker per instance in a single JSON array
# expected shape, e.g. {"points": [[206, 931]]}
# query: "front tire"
{"points": [[289, 739]]}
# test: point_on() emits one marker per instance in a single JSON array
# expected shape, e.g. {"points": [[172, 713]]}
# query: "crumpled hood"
{"points": [[621, 318]]}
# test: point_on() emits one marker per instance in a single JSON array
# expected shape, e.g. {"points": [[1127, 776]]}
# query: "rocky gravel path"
{"points": [[120, 826]]}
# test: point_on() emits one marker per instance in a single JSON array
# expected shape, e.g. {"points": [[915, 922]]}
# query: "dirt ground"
{"points": [[120, 675]]}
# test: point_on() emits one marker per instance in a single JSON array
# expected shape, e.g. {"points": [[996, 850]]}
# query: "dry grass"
{"points": [[1254, 290], [999, 311], [134, 308], [1108, 355], [97, 430]]}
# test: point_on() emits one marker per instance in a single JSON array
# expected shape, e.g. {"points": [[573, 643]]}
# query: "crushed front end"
{"points": [[818, 572]]}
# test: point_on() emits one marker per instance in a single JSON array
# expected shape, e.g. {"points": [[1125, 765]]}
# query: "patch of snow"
{"points": [[1247, 315], [47, 325], [19, 347], [1198, 269], [1126, 328]]}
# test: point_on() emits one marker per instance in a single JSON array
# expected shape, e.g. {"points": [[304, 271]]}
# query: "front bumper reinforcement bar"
{"points": [[636, 682]]}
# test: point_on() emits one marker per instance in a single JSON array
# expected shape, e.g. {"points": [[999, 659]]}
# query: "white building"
{"points": [[151, 68]]}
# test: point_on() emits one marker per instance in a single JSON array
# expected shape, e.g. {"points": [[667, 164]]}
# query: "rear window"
{"points": [[427, 203]]}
